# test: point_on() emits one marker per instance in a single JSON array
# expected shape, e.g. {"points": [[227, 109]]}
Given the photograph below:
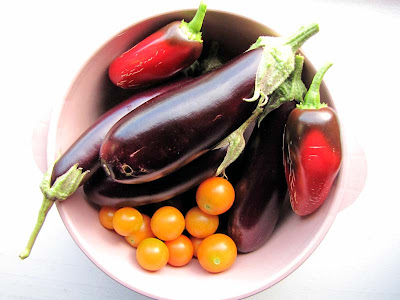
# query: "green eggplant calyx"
{"points": [[291, 89], [278, 60], [63, 187], [235, 143]]}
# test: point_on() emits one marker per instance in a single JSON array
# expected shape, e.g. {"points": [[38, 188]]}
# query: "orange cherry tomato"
{"points": [[196, 243], [106, 215], [217, 253], [144, 232], [167, 223], [180, 251], [152, 254], [200, 224], [127, 220], [215, 195]]}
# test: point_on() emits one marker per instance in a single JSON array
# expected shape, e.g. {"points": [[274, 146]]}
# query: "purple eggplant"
{"points": [[85, 150], [261, 188], [176, 127], [81, 160], [102, 190], [167, 132]]}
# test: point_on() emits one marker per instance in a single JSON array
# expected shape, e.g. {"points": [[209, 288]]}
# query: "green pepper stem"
{"points": [[192, 29], [312, 99], [197, 21], [44, 209], [301, 36]]}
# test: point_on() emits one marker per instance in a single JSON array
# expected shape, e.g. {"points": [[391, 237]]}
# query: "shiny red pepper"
{"points": [[161, 55], [312, 150]]}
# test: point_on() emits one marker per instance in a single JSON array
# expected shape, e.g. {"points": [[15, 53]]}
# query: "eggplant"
{"points": [[85, 150], [261, 187], [173, 129], [176, 127], [81, 159], [102, 190], [167, 132]]}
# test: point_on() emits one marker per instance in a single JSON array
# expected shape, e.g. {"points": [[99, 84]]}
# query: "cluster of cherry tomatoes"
{"points": [[160, 239]]}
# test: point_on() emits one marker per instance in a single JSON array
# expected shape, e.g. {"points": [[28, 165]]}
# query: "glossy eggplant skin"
{"points": [[103, 191], [178, 126], [261, 187], [85, 150]]}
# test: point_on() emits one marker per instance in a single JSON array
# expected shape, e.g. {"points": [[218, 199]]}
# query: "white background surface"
{"points": [[45, 43]]}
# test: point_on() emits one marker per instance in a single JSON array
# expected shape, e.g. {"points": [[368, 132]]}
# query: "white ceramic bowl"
{"points": [[294, 239]]}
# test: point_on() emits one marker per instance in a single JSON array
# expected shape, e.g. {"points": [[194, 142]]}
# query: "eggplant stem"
{"points": [[278, 60], [297, 39], [294, 89], [263, 101], [61, 189], [44, 209], [236, 142]]}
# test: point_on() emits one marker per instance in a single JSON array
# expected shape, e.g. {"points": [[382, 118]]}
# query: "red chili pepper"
{"points": [[312, 150], [169, 50]]}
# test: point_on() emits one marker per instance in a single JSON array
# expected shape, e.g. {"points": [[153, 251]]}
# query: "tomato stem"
{"points": [[44, 209]]}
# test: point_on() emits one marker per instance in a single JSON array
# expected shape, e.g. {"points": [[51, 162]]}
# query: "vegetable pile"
{"points": [[198, 161]]}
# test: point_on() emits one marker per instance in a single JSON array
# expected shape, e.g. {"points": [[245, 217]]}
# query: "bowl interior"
{"points": [[92, 93]]}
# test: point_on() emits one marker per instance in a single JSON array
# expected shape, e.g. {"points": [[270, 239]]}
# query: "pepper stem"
{"points": [[192, 29], [44, 209], [312, 99], [197, 21]]}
